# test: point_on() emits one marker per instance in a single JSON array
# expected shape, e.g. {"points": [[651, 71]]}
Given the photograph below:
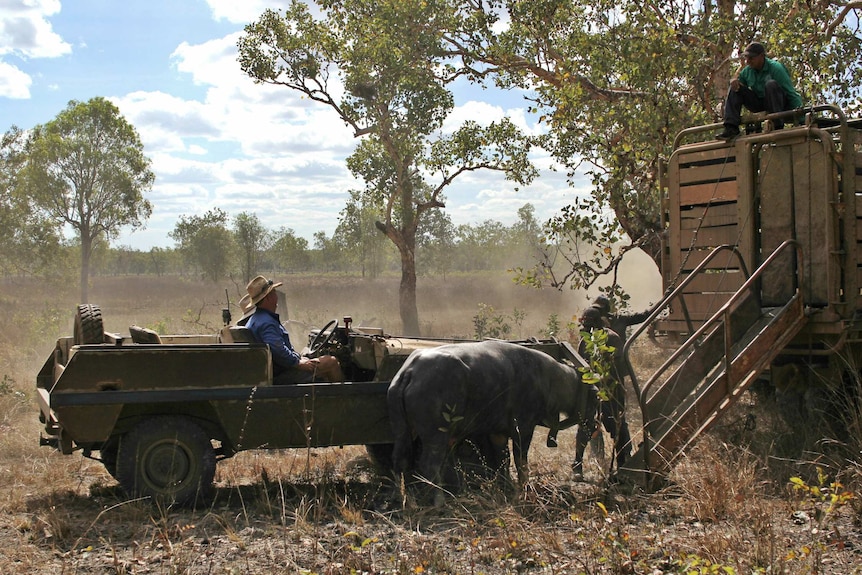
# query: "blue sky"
{"points": [[214, 137]]}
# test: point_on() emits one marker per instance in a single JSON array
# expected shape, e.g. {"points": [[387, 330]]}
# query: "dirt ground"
{"points": [[729, 507], [328, 511]]}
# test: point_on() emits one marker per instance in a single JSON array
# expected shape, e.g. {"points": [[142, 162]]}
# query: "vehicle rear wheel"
{"points": [[169, 459], [88, 325], [108, 454]]}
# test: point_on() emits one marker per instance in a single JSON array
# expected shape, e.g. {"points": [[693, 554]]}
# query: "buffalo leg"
{"points": [[520, 447], [433, 457], [585, 433]]}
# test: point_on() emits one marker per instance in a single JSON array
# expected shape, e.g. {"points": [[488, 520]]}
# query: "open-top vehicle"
{"points": [[160, 410]]}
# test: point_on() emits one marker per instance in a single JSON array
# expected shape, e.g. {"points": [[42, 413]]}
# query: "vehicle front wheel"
{"points": [[167, 458], [108, 454]]}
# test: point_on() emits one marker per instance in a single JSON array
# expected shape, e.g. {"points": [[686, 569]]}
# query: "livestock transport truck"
{"points": [[160, 410], [762, 270]]}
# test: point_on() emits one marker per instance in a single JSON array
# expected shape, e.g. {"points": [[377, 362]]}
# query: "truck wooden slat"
{"points": [[727, 281], [709, 237], [700, 306], [701, 156], [708, 192], [695, 174], [709, 215], [688, 260]]}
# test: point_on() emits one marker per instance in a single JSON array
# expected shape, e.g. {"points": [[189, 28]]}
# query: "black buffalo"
{"points": [[492, 389]]}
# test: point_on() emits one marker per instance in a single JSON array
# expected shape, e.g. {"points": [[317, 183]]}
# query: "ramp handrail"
{"points": [[723, 314]]}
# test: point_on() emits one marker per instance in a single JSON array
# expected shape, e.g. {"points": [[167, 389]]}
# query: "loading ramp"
{"points": [[712, 368]]}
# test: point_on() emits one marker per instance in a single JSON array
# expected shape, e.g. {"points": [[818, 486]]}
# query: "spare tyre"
{"points": [[88, 325]]}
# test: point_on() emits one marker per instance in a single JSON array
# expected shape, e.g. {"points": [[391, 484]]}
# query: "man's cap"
{"points": [[591, 317], [754, 49], [258, 288], [603, 303]]}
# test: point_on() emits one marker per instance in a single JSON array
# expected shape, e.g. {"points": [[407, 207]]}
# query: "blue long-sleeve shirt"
{"points": [[267, 328]]}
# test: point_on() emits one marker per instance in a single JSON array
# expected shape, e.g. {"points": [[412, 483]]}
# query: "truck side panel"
{"points": [[91, 389]]}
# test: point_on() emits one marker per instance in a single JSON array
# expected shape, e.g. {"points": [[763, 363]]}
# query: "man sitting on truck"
{"points": [[762, 85], [288, 366]]}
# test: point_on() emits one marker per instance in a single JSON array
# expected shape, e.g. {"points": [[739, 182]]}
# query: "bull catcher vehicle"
{"points": [[160, 410]]}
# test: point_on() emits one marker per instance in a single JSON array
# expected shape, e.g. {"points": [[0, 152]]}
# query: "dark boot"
{"points": [[729, 133]]}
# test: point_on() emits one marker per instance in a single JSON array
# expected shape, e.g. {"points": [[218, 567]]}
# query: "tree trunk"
{"points": [[405, 240], [86, 248], [407, 293]]}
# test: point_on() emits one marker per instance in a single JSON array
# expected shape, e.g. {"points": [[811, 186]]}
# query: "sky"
{"points": [[215, 139]]}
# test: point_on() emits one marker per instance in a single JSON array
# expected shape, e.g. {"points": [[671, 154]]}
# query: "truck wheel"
{"points": [[108, 454], [169, 459], [88, 325]]}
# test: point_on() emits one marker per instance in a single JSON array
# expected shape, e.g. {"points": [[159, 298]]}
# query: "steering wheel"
{"points": [[322, 338]]}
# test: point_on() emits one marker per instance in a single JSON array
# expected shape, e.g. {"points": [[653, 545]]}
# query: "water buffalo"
{"points": [[491, 389]]}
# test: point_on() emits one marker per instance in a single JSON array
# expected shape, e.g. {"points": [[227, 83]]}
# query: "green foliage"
{"points": [[160, 326], [451, 418], [205, 242], [391, 57], [46, 323], [600, 357], [823, 499], [30, 239], [487, 323], [615, 82], [552, 329], [252, 239], [357, 236], [86, 169], [288, 252], [8, 388], [691, 564]]}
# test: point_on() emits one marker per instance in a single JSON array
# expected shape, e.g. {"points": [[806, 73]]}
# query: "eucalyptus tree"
{"points": [[30, 241], [288, 251], [436, 243], [382, 66], [86, 169], [614, 81], [206, 242], [252, 239], [358, 237]]}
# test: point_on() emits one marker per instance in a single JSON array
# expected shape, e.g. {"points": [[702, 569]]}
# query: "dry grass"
{"points": [[324, 510]]}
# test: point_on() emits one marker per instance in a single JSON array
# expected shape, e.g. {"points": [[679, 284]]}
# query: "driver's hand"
{"points": [[308, 364]]}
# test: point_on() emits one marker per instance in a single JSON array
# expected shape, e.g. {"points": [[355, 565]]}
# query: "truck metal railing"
{"points": [[722, 316], [807, 114]]}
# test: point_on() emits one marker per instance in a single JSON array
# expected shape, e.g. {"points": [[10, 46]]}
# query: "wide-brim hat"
{"points": [[258, 288], [245, 303]]}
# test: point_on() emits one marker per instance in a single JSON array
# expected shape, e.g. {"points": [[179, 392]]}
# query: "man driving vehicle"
{"points": [[287, 364]]}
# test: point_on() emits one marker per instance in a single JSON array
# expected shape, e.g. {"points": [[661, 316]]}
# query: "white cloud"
{"points": [[25, 30], [243, 12], [26, 33], [13, 82], [481, 112]]}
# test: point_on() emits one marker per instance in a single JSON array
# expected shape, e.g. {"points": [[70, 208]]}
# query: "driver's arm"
{"points": [[278, 341]]}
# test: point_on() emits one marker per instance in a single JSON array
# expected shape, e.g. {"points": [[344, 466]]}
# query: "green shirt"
{"points": [[772, 70]]}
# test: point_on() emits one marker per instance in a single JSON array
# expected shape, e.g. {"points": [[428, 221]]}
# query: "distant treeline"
{"points": [[215, 246]]}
